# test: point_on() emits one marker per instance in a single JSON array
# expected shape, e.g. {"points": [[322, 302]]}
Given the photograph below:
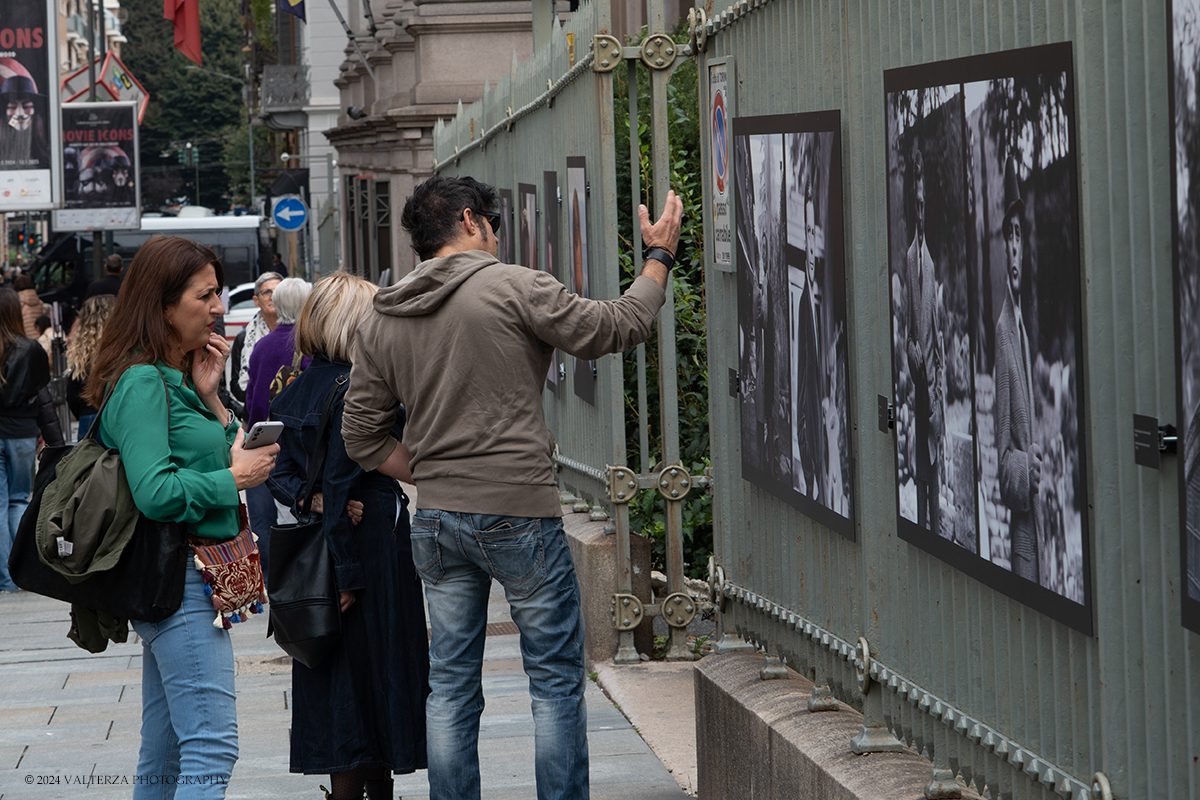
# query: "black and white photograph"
{"points": [[983, 194], [1185, 146], [935, 472], [577, 230], [505, 244], [550, 217], [792, 334], [527, 225]]}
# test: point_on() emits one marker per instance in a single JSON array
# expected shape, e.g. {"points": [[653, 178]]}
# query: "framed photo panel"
{"points": [[527, 225], [30, 149], [577, 232], [984, 272], [100, 168], [791, 283], [1185, 181], [550, 263], [506, 247]]}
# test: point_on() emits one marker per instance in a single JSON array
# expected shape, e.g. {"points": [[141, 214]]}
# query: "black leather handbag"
{"points": [[145, 584], [306, 618]]}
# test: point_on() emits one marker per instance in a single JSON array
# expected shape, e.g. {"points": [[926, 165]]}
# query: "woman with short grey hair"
{"points": [[289, 299], [276, 349]]}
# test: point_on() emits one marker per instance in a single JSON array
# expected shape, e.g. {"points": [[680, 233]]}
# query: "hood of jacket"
{"points": [[424, 289]]}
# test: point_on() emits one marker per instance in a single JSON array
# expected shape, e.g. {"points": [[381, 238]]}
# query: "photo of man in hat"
{"points": [[1020, 455], [24, 143]]}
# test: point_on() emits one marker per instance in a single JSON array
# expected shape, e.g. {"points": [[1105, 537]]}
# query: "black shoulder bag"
{"points": [[146, 583], [306, 618]]}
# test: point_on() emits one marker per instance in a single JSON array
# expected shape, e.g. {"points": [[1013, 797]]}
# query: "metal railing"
{"points": [[998, 696]]}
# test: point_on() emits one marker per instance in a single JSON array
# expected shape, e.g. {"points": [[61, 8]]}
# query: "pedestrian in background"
{"points": [[32, 306], [270, 353], [182, 453], [81, 350], [24, 375], [260, 325], [361, 716], [110, 283]]}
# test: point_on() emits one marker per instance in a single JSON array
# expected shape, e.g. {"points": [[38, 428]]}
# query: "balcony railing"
{"points": [[285, 87]]}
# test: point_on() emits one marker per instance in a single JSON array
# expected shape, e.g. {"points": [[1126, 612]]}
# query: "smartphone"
{"points": [[262, 434]]}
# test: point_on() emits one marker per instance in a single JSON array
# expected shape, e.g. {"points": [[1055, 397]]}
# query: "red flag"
{"points": [[185, 16]]}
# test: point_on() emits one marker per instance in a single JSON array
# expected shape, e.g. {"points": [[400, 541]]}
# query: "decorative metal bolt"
{"points": [[674, 493], [688, 609], [620, 495], [683, 483], [637, 611], [616, 53], [659, 62], [620, 475], [670, 51], [679, 620], [663, 484], [625, 621], [604, 63], [674, 472], [632, 485], [625, 601]]}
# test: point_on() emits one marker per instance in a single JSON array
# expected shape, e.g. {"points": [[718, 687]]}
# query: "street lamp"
{"points": [[249, 128]]}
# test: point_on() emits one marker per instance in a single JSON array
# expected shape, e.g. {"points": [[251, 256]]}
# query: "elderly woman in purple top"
{"points": [[270, 353]]}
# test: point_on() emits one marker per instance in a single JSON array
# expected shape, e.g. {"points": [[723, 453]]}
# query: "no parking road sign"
{"points": [[289, 213]]}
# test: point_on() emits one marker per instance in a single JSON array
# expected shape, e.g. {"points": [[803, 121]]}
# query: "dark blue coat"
{"points": [[366, 707]]}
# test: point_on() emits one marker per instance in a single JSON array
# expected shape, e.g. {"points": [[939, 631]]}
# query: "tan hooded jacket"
{"points": [[464, 343]]}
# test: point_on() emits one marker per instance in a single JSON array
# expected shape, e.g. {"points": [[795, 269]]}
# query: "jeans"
{"points": [[189, 722], [16, 482], [457, 555], [263, 513]]}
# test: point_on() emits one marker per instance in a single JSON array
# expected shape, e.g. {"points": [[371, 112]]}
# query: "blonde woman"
{"points": [[81, 349], [360, 717]]}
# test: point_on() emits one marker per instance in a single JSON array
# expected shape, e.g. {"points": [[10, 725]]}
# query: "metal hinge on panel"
{"points": [[658, 51], [735, 383], [622, 485], [887, 415], [607, 51], [626, 612]]}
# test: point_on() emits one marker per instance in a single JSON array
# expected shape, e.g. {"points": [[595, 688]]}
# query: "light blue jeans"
{"points": [[457, 555], [16, 482], [189, 722]]}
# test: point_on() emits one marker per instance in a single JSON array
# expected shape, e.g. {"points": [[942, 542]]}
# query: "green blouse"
{"points": [[181, 475]]}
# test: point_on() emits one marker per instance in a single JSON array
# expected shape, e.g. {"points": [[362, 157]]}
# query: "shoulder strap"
{"points": [[317, 462], [93, 431]]}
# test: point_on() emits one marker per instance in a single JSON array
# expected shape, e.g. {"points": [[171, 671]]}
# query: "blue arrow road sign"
{"points": [[290, 213]]}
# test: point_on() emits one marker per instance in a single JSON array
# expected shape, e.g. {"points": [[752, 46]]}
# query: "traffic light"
{"points": [[182, 156]]}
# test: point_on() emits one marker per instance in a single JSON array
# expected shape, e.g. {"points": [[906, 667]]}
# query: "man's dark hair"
{"points": [[113, 264], [431, 215], [42, 322]]}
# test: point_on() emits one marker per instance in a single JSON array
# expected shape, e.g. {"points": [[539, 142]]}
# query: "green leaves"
{"points": [[690, 310]]}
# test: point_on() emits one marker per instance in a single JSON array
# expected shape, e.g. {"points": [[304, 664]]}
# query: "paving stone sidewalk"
{"points": [[69, 720]]}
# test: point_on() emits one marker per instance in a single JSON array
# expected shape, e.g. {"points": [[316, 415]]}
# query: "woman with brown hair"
{"points": [[182, 454], [84, 342], [24, 375]]}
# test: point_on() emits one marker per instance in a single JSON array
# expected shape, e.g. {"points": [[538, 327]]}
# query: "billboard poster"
{"points": [[505, 246], [720, 115], [100, 168], [987, 340], [527, 225], [792, 337], [29, 160], [1185, 177]]}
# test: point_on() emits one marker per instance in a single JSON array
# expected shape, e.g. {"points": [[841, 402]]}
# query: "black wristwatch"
{"points": [[660, 255]]}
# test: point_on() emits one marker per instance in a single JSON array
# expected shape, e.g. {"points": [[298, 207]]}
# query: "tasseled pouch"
{"points": [[233, 577]]}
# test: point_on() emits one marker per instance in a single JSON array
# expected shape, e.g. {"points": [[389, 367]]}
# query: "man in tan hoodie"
{"points": [[464, 343]]}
